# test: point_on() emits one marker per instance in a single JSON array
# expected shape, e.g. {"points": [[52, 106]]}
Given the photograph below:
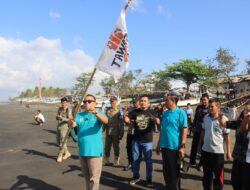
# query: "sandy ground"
{"points": [[28, 157]]}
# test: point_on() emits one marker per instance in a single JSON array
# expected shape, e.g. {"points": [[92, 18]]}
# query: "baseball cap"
{"points": [[113, 98], [135, 99], [64, 99]]}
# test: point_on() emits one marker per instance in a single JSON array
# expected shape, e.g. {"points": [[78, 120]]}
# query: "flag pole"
{"points": [[84, 92]]}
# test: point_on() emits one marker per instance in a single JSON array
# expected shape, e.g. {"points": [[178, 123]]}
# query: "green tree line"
{"points": [[203, 72], [46, 92]]}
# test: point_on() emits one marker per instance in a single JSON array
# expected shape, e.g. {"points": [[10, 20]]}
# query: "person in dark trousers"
{"points": [[158, 110], [200, 112], [240, 178], [136, 106], [172, 142], [214, 134]]}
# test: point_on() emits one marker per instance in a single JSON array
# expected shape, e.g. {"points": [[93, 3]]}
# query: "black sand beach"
{"points": [[28, 157]]}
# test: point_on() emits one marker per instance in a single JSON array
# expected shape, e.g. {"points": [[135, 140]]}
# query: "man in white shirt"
{"points": [[39, 118], [213, 134]]}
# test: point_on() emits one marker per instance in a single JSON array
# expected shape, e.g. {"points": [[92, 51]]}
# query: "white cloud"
{"points": [[163, 11], [22, 63], [54, 15]]}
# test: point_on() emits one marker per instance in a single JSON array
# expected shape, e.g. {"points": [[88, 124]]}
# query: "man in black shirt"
{"points": [[143, 120], [200, 112]]}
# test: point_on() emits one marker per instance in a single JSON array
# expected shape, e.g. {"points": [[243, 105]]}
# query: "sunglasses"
{"points": [[88, 101]]}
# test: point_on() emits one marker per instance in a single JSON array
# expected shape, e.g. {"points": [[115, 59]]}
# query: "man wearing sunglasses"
{"points": [[114, 131], [90, 145]]}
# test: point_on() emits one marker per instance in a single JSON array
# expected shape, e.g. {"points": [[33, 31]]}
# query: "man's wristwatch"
{"points": [[182, 146]]}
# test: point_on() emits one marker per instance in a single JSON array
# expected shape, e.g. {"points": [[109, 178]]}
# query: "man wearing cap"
{"points": [[114, 131], [64, 114]]}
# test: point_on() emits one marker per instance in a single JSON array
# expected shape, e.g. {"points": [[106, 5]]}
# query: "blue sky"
{"points": [[56, 40]]}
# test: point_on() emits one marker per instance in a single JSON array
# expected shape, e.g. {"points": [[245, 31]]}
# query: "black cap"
{"points": [[113, 98], [64, 99], [135, 99]]}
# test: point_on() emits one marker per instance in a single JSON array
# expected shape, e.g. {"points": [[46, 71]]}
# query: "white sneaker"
{"points": [[66, 156]]}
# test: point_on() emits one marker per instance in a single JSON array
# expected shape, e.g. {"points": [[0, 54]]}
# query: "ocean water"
{"points": [[4, 103]]}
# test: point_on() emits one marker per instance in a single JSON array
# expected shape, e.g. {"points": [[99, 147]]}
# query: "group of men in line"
{"points": [[209, 128]]}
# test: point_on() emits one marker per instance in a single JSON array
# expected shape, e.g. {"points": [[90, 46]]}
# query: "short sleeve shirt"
{"points": [[89, 134], [40, 116], [143, 124], [173, 121], [214, 135]]}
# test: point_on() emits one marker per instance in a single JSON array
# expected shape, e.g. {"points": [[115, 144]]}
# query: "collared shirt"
{"points": [[214, 135], [65, 114], [173, 121], [89, 134], [114, 121]]}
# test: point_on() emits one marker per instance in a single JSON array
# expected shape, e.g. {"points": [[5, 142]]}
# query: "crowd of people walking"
{"points": [[207, 125]]}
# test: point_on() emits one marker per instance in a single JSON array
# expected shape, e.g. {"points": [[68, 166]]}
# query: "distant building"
{"points": [[240, 85]]}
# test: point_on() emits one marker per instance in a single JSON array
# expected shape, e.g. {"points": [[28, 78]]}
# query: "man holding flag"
{"points": [[114, 61]]}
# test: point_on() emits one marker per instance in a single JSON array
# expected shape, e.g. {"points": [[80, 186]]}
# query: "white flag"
{"points": [[115, 57]]}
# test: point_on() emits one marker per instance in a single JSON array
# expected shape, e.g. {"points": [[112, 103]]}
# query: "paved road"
{"points": [[28, 157]]}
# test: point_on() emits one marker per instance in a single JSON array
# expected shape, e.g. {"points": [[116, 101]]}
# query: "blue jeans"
{"points": [[137, 149]]}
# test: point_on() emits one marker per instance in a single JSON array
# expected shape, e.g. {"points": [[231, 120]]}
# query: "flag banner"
{"points": [[115, 57]]}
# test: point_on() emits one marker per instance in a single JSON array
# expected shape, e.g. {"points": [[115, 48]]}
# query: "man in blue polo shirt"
{"points": [[90, 146], [172, 142]]}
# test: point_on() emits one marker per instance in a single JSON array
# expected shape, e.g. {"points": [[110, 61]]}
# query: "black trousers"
{"points": [[240, 176], [194, 148], [213, 169], [129, 148], [171, 168]]}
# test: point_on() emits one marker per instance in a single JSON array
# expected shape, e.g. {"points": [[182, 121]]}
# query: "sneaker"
{"points": [[66, 156], [149, 182], [134, 181], [128, 167]]}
